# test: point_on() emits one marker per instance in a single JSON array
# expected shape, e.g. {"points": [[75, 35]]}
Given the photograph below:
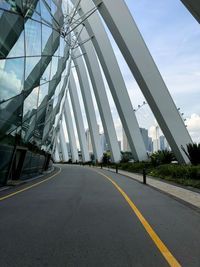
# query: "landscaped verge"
{"points": [[187, 175]]}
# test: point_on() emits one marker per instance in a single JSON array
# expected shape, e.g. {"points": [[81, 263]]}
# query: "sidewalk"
{"points": [[176, 191]]}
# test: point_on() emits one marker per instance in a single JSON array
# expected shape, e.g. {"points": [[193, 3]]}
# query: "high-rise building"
{"points": [[103, 143], [163, 143], [144, 133]]}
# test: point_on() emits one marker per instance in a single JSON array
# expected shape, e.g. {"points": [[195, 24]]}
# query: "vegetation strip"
{"points": [[158, 242], [29, 187]]}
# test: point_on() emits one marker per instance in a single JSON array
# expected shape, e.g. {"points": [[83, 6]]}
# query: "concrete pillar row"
{"points": [[114, 78], [146, 73], [70, 130], [78, 118], [88, 103]]}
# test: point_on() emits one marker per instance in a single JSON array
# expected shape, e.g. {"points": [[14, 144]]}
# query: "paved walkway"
{"points": [[176, 191]]}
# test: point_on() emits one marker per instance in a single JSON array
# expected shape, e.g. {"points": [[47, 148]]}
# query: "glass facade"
{"points": [[33, 57]]}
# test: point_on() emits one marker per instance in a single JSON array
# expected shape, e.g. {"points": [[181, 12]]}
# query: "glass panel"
{"points": [[31, 62], [57, 91], [18, 48], [5, 5], [62, 46], [46, 75], [13, 26], [11, 77], [54, 66], [10, 5], [33, 8], [33, 38], [43, 92], [45, 12], [29, 115], [46, 40], [11, 116], [53, 8]]}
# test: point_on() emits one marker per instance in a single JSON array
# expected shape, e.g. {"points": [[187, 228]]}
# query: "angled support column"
{"points": [[100, 94], [115, 80], [88, 103], [78, 119], [51, 113], [56, 152], [70, 130], [63, 144], [146, 74], [194, 7]]}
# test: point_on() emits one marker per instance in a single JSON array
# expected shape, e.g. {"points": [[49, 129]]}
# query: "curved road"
{"points": [[81, 217]]}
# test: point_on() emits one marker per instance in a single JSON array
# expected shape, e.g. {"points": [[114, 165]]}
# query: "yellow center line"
{"points": [[29, 187], [158, 242]]}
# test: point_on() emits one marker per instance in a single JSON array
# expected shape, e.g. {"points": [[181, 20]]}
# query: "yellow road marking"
{"points": [[29, 187], [158, 242]]}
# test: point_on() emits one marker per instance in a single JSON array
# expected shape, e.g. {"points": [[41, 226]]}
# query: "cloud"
{"points": [[10, 84], [193, 125]]}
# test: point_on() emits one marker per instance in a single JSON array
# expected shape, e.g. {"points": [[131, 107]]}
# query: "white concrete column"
{"points": [[70, 130], [63, 144], [146, 73], [78, 119], [114, 78], [88, 103], [101, 96], [56, 152]]}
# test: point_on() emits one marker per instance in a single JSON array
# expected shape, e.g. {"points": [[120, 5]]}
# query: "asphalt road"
{"points": [[79, 218]]}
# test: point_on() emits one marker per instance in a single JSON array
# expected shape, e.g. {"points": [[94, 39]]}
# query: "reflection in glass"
{"points": [[32, 36], [29, 114], [11, 77], [54, 66], [45, 12], [46, 40], [18, 48], [31, 62]]}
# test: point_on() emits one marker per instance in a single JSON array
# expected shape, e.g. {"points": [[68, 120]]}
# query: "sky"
{"points": [[173, 37]]}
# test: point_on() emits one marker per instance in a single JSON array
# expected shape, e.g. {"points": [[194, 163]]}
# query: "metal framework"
{"points": [[76, 34]]}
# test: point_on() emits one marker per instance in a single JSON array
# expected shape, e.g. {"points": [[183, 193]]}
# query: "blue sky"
{"points": [[173, 38]]}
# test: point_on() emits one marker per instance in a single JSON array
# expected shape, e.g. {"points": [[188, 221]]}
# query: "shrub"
{"points": [[194, 153], [177, 171], [162, 157]]}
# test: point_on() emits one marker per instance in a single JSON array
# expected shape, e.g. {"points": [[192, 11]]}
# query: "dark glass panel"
{"points": [[33, 9], [18, 49], [11, 117], [12, 26], [29, 115]]}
